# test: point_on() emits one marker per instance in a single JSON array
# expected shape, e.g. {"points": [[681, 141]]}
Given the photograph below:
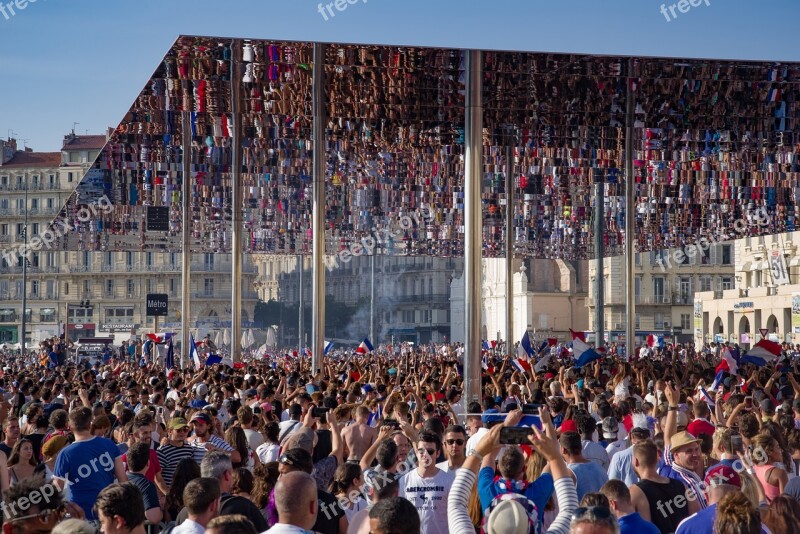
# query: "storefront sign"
{"points": [[118, 327], [743, 307]]}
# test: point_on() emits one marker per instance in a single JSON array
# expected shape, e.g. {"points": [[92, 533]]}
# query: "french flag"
{"points": [[485, 345], [307, 352], [525, 349], [582, 351], [169, 361], [706, 397], [774, 95], [193, 352], [521, 365], [728, 363], [764, 351], [365, 347], [717, 380]]}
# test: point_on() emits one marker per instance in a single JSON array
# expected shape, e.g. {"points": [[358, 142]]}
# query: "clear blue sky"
{"points": [[65, 61]]}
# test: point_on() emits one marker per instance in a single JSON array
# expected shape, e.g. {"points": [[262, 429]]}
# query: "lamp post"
{"points": [[25, 275]]}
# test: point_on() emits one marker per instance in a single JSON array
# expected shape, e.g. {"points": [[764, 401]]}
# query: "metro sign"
{"points": [[157, 304]]}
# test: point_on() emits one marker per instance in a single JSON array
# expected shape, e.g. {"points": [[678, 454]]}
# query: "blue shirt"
{"points": [[621, 467], [635, 524], [590, 477], [538, 491], [703, 522], [89, 467]]}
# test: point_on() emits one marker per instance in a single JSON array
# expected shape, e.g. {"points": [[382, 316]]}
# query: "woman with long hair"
{"points": [[735, 515], [237, 439], [270, 450], [21, 463], [347, 481], [265, 477], [766, 454], [783, 515], [242, 483], [186, 471]]}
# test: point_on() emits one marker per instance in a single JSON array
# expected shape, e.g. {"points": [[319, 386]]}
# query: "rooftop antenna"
{"points": [[25, 142], [74, 124], [11, 134]]}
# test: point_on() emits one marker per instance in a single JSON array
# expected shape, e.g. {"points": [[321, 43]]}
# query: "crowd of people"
{"points": [[385, 443]]}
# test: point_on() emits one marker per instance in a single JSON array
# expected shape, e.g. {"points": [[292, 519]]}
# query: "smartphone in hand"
{"points": [[511, 435]]}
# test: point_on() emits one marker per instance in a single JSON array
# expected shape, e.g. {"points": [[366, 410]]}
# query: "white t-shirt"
{"points": [[268, 452], [473, 441], [429, 497], [254, 438]]}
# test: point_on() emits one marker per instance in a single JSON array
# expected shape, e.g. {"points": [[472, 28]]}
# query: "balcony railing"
{"points": [[223, 295]]}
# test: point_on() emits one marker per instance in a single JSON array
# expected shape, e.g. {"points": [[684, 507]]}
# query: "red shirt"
{"points": [[700, 426]]}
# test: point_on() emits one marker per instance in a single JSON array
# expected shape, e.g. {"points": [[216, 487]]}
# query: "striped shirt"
{"points": [[689, 478], [169, 456], [458, 499], [200, 448]]}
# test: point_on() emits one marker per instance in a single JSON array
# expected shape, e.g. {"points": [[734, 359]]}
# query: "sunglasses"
{"points": [[458, 442], [285, 460], [599, 512], [44, 515], [431, 452]]}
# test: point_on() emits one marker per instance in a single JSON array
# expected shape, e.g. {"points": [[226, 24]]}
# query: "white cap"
{"points": [[202, 389], [247, 377]]}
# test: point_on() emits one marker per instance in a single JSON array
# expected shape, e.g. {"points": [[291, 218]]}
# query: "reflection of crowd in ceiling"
{"points": [[714, 142]]}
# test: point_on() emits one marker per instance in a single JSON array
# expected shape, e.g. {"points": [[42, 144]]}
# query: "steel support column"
{"points": [[473, 222]]}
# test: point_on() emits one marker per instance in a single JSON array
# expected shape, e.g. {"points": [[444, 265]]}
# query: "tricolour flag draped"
{"points": [[706, 397], [193, 352], [365, 347]]}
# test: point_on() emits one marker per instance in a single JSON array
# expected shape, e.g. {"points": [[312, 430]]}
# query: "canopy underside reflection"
{"points": [[715, 151]]}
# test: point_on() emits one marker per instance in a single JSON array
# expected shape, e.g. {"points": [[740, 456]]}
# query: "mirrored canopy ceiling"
{"points": [[715, 151]]}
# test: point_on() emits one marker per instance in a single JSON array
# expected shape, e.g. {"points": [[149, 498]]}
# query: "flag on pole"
{"points": [[717, 380], [525, 349], [707, 398], [521, 365], [729, 363], [365, 347], [329, 346], [169, 360], [195, 356]]}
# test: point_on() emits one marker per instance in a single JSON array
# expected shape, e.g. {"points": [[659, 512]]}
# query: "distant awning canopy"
{"points": [[715, 151]]}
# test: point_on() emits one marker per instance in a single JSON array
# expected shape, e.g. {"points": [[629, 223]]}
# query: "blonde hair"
{"points": [[735, 515], [750, 489]]}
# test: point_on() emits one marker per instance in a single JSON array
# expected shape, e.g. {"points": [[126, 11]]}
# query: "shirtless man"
{"points": [[359, 436]]}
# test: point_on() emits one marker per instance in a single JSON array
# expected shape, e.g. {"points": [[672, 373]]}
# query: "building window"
{"points": [[727, 283], [131, 288], [727, 254], [208, 286], [705, 283], [34, 288], [47, 315], [69, 177], [51, 289], [129, 259], [110, 288], [148, 259], [636, 321], [87, 288], [686, 321]]}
